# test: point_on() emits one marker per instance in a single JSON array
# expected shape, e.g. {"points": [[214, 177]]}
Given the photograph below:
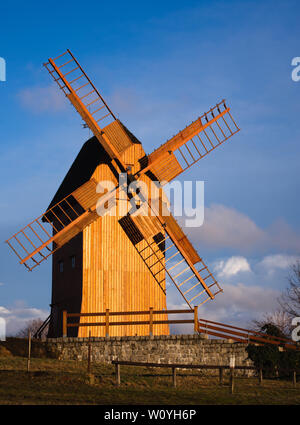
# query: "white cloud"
{"points": [[16, 317], [3, 311], [40, 99], [232, 266], [278, 261]]}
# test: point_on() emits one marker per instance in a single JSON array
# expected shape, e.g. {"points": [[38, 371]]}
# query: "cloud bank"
{"points": [[40, 99], [225, 227], [251, 288]]}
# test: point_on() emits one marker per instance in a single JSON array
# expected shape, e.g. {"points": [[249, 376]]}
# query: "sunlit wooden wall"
{"points": [[114, 275]]}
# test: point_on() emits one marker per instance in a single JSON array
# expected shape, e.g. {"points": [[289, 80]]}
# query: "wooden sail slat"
{"points": [[118, 136], [86, 194], [168, 169], [65, 236]]}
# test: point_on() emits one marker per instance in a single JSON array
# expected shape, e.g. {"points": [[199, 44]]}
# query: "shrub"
{"points": [[268, 357], [265, 357], [289, 361]]}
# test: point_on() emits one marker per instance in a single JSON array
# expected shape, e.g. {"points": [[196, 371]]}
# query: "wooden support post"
{"points": [[174, 376], [196, 325], [65, 318], [231, 382], [118, 374], [294, 379], [107, 322], [29, 350], [260, 376], [232, 366], [89, 354], [220, 375], [151, 321]]}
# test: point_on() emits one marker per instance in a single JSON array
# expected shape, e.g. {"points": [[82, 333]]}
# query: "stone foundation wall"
{"points": [[189, 349]]}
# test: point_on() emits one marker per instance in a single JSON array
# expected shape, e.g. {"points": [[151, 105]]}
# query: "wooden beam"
{"points": [[151, 321], [196, 325], [65, 324]]}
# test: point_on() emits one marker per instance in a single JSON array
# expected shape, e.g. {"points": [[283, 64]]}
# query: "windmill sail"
{"points": [[191, 144], [44, 235], [78, 88], [179, 261]]}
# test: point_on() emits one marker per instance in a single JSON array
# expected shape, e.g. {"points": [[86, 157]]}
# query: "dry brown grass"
{"points": [[66, 382]]}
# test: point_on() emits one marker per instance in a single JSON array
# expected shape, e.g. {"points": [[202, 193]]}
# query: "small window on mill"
{"points": [[73, 261], [61, 266]]}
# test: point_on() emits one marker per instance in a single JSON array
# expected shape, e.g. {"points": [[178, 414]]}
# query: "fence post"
{"points": [[294, 378], [118, 374], [231, 386], [65, 318], [29, 350], [220, 375], [232, 365], [89, 354], [174, 376], [260, 376], [196, 325], [150, 321], [107, 322]]}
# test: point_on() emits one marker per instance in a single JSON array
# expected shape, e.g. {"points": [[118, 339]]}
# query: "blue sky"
{"points": [[159, 65]]}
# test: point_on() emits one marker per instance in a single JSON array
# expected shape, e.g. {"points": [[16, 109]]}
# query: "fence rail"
{"points": [[243, 335]]}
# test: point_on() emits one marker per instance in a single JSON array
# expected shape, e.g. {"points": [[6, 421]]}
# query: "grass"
{"points": [[52, 381]]}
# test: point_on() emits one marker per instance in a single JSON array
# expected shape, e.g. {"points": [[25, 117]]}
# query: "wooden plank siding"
{"points": [[114, 276]]}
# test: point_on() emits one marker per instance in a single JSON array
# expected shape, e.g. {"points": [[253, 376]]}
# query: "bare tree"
{"points": [[32, 326], [289, 306], [279, 318], [290, 301]]}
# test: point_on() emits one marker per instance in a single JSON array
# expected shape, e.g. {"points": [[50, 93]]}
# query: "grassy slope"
{"points": [[65, 382]]}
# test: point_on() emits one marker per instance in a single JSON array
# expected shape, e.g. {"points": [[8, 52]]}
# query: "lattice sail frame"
{"points": [[35, 242], [193, 143], [71, 215], [183, 266]]}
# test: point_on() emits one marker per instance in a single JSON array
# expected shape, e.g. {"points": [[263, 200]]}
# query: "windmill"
{"points": [[120, 262]]}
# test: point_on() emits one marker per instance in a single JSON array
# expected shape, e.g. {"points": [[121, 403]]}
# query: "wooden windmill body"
{"points": [[119, 262], [100, 268]]}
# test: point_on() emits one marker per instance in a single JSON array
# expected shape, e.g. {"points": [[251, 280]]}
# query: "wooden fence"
{"points": [[208, 327], [175, 366], [151, 320]]}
